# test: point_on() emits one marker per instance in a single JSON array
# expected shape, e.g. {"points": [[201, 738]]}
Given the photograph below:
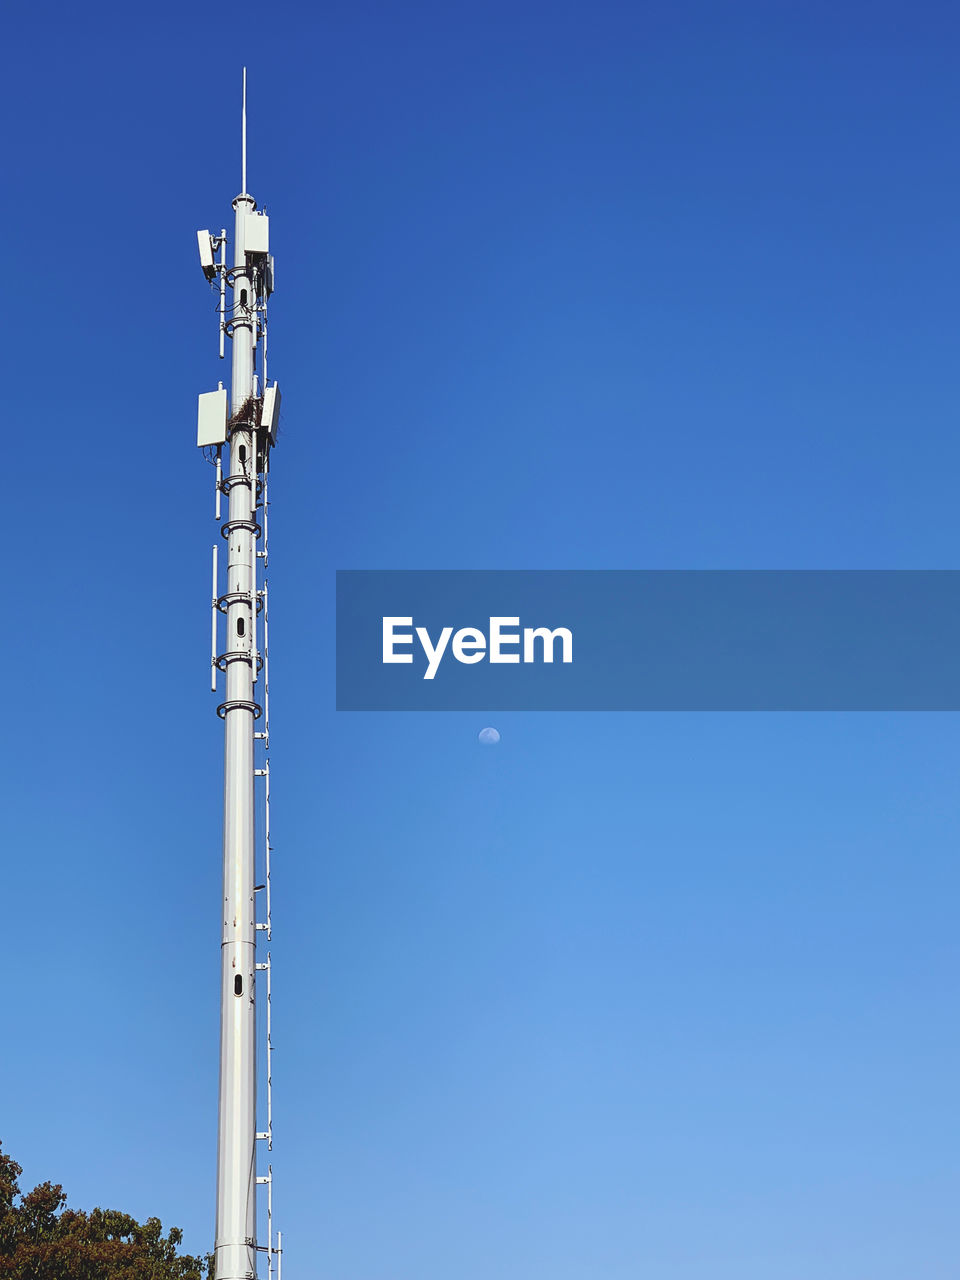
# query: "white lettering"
{"points": [[433, 654], [389, 639], [498, 638], [469, 645], [530, 634]]}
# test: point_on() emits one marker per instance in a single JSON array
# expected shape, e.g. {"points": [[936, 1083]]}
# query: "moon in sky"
{"points": [[489, 737]]}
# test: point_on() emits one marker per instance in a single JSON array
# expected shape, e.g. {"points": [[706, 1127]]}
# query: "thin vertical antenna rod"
{"points": [[243, 137], [213, 614]]}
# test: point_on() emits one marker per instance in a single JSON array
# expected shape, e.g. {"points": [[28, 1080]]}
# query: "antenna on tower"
{"points": [[243, 137]]}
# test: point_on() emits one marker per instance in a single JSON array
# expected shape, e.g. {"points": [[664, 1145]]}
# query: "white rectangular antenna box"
{"points": [[270, 412], [212, 418], [205, 245], [256, 233]]}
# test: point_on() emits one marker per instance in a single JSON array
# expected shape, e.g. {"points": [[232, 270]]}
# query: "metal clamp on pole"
{"points": [[239, 704], [238, 597], [248, 526]]}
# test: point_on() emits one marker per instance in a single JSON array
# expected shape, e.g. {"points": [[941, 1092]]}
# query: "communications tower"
{"points": [[237, 434]]}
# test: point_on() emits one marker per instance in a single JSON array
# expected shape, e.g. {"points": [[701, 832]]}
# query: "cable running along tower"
{"points": [[237, 436]]}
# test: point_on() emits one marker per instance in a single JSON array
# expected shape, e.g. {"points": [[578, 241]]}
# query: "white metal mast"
{"points": [[247, 428]]}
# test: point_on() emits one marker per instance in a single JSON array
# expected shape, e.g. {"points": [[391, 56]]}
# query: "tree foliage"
{"points": [[41, 1239]]}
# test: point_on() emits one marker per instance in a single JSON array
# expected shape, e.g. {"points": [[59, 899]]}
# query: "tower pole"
{"points": [[235, 1246], [246, 428]]}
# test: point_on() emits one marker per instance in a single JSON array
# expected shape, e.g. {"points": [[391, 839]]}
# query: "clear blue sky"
{"points": [[565, 286]]}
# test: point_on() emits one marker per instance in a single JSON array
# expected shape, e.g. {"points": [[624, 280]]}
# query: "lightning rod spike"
{"points": [[243, 133]]}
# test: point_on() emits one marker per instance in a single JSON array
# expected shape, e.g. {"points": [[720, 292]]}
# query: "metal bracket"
{"points": [[251, 526], [227, 482], [238, 322], [236, 655], [239, 704], [240, 597]]}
